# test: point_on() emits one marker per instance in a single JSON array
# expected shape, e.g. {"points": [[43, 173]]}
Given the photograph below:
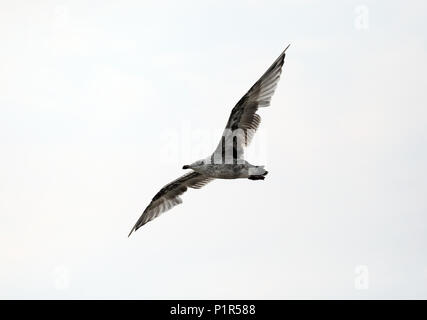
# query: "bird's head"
{"points": [[194, 165]]}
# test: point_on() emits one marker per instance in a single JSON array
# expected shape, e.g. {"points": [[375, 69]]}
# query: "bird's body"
{"points": [[231, 171], [227, 161]]}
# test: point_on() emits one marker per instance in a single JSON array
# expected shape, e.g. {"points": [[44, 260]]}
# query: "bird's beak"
{"points": [[186, 167]]}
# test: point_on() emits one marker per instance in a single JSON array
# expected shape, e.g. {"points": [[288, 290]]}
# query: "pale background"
{"points": [[102, 102]]}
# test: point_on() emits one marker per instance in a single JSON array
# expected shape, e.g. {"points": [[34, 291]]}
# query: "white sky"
{"points": [[102, 102]]}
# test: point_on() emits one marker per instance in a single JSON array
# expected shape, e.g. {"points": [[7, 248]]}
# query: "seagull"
{"points": [[227, 161]]}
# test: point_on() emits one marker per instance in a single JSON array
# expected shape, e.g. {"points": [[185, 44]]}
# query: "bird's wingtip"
{"points": [[286, 48], [133, 229]]}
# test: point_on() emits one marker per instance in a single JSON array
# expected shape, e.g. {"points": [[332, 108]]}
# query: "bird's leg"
{"points": [[256, 177]]}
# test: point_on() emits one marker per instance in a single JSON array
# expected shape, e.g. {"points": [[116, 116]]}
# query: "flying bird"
{"points": [[227, 161]]}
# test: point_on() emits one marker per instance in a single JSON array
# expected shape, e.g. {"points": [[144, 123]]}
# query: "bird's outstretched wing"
{"points": [[168, 196], [244, 120]]}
